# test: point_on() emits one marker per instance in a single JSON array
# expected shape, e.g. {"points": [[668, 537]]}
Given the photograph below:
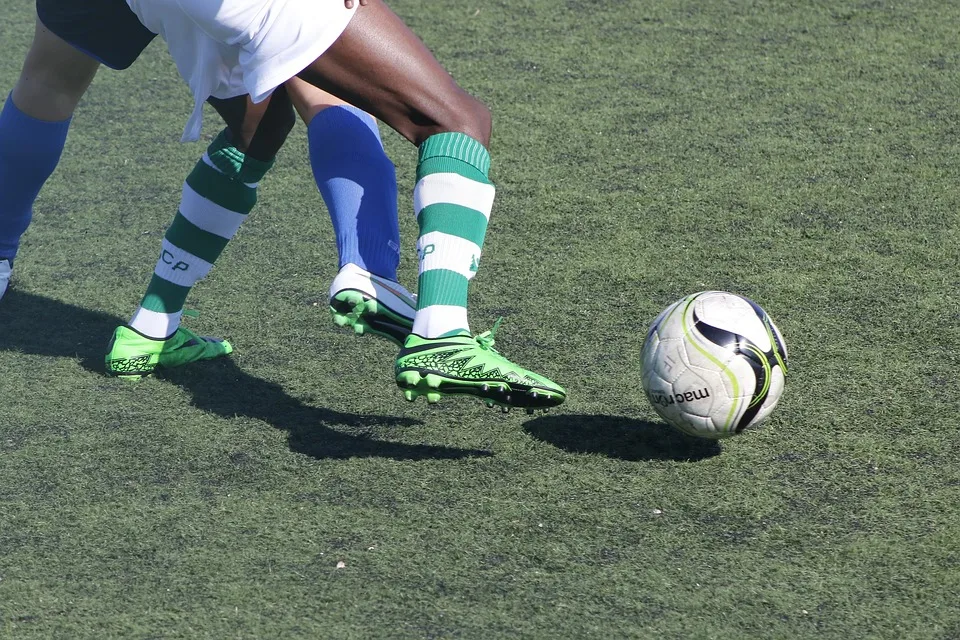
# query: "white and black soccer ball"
{"points": [[713, 364]]}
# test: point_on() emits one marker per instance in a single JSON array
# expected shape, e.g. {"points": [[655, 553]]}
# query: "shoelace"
{"points": [[486, 339]]}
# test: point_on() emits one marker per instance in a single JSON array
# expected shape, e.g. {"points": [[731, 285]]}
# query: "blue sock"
{"points": [[358, 183], [29, 152]]}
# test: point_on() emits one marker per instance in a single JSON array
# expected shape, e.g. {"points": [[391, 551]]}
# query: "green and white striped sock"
{"points": [[217, 197], [452, 199]]}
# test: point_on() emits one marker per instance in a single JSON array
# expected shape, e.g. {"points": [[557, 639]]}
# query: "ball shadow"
{"points": [[621, 438], [43, 326]]}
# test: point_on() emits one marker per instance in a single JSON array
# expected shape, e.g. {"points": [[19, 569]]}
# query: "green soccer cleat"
{"points": [[464, 365], [133, 355], [370, 304]]}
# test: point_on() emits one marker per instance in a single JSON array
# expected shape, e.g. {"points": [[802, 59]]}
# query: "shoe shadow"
{"points": [[622, 438], [42, 326]]}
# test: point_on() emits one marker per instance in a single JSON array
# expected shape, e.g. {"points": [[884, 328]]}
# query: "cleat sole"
{"points": [[434, 385], [351, 308], [126, 377]]}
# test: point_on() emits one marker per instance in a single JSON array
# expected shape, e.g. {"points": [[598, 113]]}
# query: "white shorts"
{"points": [[227, 48]]}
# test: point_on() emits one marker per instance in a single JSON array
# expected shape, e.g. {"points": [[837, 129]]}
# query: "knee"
{"points": [[480, 121], [53, 79], [46, 98], [45, 93], [466, 115]]}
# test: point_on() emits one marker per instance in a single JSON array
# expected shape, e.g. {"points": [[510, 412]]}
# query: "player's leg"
{"points": [[71, 40], [355, 177], [33, 131], [379, 65], [359, 186], [217, 197]]}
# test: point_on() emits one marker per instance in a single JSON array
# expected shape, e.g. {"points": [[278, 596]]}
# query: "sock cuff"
{"points": [[335, 123], [235, 164], [11, 110], [456, 146]]}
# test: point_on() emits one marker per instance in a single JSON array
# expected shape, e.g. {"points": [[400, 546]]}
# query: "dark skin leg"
{"points": [[379, 65], [259, 130]]}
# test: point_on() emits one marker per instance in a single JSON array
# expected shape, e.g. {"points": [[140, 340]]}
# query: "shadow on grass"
{"points": [[623, 438], [39, 325]]}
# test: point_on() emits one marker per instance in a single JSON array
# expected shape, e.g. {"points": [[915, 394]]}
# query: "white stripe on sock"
{"points": [[449, 252], [208, 215], [438, 319], [180, 267], [452, 188], [154, 324]]}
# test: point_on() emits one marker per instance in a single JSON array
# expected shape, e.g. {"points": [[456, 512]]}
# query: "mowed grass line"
{"points": [[803, 154]]}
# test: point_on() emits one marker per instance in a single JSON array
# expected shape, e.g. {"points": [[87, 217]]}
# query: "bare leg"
{"points": [[379, 65], [33, 130], [257, 129], [54, 77], [308, 100]]}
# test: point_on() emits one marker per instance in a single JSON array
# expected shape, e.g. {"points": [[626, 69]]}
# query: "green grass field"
{"points": [[805, 154]]}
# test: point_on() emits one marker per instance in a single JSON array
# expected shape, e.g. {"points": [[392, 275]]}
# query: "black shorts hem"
{"points": [[106, 30]]}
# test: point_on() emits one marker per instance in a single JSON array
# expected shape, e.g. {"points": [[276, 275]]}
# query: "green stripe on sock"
{"points": [[218, 188], [455, 220], [164, 296], [454, 153], [234, 163], [192, 239], [441, 286]]}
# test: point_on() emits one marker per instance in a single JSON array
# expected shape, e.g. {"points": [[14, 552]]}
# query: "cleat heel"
{"points": [[371, 305]]}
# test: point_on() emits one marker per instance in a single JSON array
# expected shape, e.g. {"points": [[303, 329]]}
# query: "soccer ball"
{"points": [[713, 364]]}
